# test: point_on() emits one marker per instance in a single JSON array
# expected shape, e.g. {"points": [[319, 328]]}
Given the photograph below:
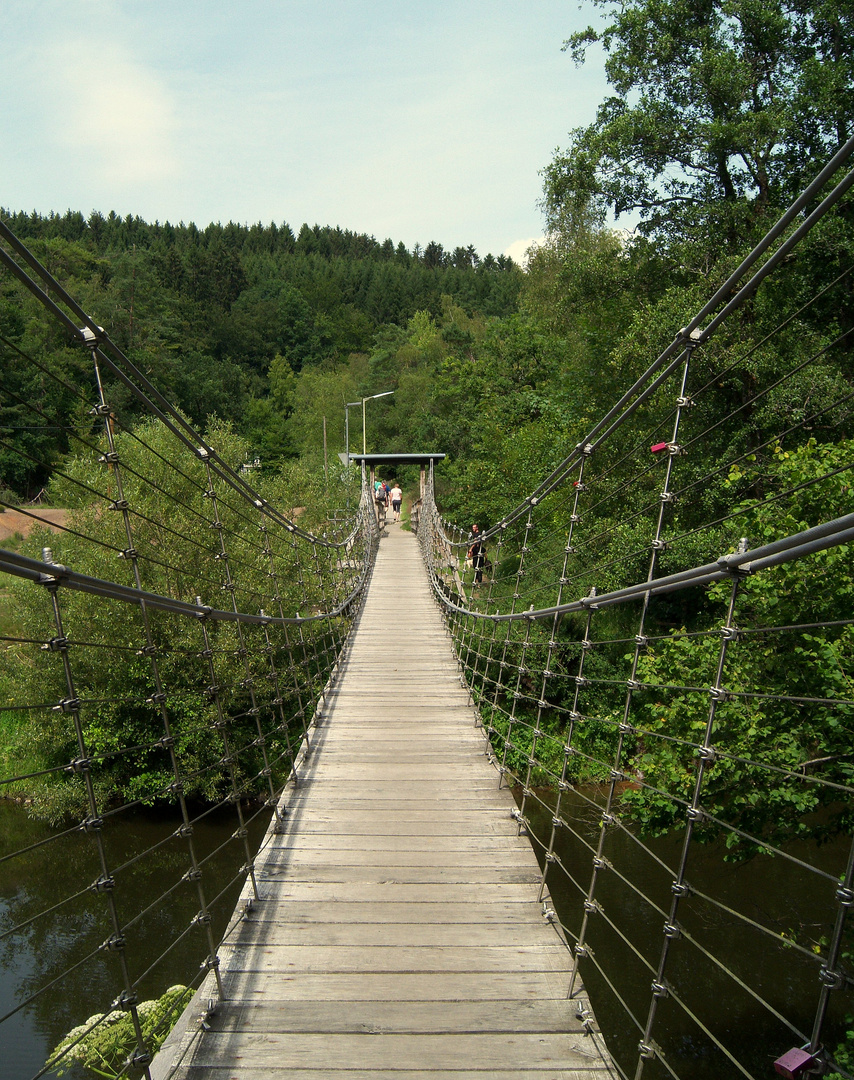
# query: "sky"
{"points": [[412, 120]]}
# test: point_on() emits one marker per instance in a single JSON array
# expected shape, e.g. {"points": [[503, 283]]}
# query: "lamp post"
{"points": [[386, 393], [347, 407]]}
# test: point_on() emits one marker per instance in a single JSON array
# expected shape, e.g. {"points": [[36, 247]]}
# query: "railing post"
{"points": [[694, 814], [548, 674], [278, 600], [625, 728], [831, 977], [520, 570]]}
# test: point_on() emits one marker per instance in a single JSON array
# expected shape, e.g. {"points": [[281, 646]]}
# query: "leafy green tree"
{"points": [[720, 112], [178, 556], [769, 744]]}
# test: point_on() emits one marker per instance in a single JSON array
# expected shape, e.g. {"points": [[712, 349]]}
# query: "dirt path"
{"points": [[23, 523]]}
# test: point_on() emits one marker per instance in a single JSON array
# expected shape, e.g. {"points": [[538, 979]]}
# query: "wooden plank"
{"points": [[395, 986], [387, 933], [248, 1072], [344, 959], [489, 1051], [402, 858], [336, 846], [388, 912], [388, 875], [284, 888], [386, 1017]]}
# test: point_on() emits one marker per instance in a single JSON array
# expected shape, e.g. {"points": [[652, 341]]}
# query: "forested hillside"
{"points": [[224, 318]]}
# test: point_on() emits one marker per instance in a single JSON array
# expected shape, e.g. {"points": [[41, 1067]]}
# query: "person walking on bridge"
{"points": [[476, 553], [396, 500]]}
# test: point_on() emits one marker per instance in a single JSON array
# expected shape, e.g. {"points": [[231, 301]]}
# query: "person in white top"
{"points": [[396, 499]]}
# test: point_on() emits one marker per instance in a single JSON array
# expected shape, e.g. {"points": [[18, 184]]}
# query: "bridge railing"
{"points": [[661, 650], [166, 645]]}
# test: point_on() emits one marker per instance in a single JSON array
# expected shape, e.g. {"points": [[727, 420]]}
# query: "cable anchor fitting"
{"points": [[690, 340], [56, 644], [833, 980], [92, 338], [845, 896]]}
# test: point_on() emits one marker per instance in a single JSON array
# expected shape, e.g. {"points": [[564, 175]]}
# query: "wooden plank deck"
{"points": [[400, 935]]}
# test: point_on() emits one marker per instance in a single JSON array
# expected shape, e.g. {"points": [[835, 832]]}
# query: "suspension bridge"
{"points": [[399, 930], [623, 756]]}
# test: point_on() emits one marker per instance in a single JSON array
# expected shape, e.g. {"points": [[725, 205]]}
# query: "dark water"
{"points": [[48, 947], [770, 891]]}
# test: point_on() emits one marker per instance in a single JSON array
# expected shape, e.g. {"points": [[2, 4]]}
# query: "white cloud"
{"points": [[518, 250], [117, 113]]}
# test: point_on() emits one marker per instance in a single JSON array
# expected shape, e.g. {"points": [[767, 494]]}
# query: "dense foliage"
{"points": [[220, 319], [105, 1041], [720, 114]]}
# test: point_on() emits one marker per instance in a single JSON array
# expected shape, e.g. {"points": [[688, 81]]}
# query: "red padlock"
{"points": [[794, 1064]]}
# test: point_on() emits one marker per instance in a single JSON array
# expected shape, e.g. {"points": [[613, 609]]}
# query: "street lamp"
{"points": [[347, 407], [386, 393]]}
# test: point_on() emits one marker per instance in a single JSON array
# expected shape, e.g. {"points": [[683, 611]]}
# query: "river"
{"points": [[770, 891], [46, 875]]}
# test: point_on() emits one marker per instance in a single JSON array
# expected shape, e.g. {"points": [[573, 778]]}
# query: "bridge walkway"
{"points": [[400, 934]]}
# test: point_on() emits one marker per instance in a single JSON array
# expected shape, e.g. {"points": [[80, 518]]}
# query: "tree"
{"points": [[769, 743], [721, 111], [177, 552]]}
